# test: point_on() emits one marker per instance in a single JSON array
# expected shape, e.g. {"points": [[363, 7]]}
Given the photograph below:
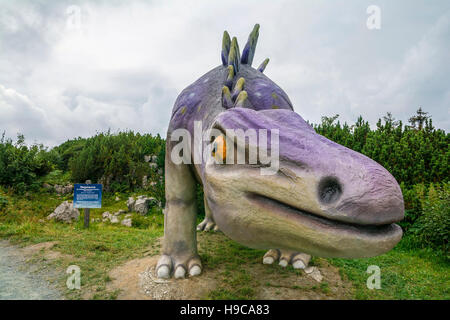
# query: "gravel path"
{"points": [[17, 282]]}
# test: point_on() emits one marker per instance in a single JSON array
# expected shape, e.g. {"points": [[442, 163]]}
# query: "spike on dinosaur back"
{"points": [[234, 55], [263, 65], [238, 88], [227, 101], [230, 77], [226, 42], [240, 100], [250, 46]]}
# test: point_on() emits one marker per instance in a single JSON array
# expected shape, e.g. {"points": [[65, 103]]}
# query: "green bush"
{"points": [[117, 158], [21, 165], [432, 227]]}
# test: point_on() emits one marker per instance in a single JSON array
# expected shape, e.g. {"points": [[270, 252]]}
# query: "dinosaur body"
{"points": [[323, 198]]}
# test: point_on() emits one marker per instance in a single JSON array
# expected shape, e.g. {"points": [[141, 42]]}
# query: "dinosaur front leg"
{"points": [[297, 259], [208, 223], [179, 254]]}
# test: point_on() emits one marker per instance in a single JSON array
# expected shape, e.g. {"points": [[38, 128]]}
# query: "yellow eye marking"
{"points": [[219, 150]]}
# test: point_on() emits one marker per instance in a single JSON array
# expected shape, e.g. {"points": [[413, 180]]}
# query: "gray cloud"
{"points": [[125, 65]]}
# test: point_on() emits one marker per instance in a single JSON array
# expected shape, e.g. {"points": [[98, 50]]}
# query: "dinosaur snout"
{"points": [[372, 197]]}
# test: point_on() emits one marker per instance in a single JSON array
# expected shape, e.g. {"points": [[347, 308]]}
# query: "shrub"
{"points": [[20, 165], [117, 158], [432, 228]]}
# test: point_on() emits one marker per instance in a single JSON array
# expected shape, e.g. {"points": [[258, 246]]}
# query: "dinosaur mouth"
{"points": [[319, 222]]}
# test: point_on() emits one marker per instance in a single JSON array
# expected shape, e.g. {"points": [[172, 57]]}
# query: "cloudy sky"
{"points": [[73, 68]]}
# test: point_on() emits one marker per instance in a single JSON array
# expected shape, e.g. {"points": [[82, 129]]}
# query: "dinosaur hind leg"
{"points": [[208, 223]]}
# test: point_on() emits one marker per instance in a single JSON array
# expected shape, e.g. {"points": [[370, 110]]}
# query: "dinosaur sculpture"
{"points": [[324, 199]]}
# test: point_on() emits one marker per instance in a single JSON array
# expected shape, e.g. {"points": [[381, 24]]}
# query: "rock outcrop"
{"points": [[65, 212], [141, 205]]}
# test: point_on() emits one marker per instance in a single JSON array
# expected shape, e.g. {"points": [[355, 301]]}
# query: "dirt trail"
{"points": [[22, 280]]}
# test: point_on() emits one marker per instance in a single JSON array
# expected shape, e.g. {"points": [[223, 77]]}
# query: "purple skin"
{"points": [[325, 200]]}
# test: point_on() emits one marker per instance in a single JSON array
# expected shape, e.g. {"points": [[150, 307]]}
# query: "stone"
{"points": [[65, 212], [106, 182], [314, 273], [130, 204], [154, 159], [106, 215], [68, 189], [126, 222], [114, 219], [117, 199], [59, 189], [147, 158], [118, 213], [145, 181], [153, 165], [47, 186], [143, 204]]}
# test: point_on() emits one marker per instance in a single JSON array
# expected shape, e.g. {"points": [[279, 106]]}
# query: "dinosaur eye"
{"points": [[219, 149]]}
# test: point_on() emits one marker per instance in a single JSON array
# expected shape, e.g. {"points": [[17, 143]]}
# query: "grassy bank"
{"points": [[405, 273]]}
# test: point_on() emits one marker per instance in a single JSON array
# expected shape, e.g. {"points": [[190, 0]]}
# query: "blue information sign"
{"points": [[87, 195]]}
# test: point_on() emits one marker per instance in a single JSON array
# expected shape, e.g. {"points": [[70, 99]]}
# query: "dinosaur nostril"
{"points": [[329, 190]]}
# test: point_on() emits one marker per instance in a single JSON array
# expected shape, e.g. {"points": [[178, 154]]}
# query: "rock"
{"points": [[68, 189], [106, 215], [65, 212], [147, 158], [127, 222], [130, 203], [143, 204], [106, 182], [114, 219], [314, 273], [47, 186], [117, 199], [154, 159], [118, 213], [153, 165], [63, 189], [144, 181], [127, 216]]}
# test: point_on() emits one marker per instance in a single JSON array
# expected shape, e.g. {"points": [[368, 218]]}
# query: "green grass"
{"points": [[405, 274]]}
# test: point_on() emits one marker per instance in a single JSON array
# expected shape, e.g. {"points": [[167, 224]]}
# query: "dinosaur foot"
{"points": [[178, 267], [207, 225], [297, 259]]}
